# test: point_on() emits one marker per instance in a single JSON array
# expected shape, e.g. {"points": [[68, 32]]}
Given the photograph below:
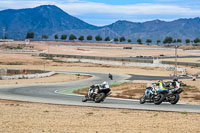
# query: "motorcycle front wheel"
{"points": [[84, 98], [174, 99], [99, 97], [158, 99], [142, 100]]}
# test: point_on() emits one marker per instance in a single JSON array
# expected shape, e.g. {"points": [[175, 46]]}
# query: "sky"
{"points": [[104, 12]]}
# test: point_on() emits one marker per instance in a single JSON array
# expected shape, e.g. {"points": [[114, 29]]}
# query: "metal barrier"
{"points": [[127, 59]]}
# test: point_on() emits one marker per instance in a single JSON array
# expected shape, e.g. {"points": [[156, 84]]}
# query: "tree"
{"points": [[63, 37], [174, 41], [158, 41], [116, 40], [139, 41], [107, 39], [122, 39], [187, 41], [98, 38], [196, 40], [168, 40], [4, 37], [30, 35], [55, 36], [45, 37], [81, 38], [179, 40], [148, 41], [129, 41], [89, 38], [72, 37]]}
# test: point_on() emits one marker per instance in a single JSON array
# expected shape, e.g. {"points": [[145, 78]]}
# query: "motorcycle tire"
{"points": [[142, 100], [159, 100], [175, 100], [84, 99], [100, 97]]}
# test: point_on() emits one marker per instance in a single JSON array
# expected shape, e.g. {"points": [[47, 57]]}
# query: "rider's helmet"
{"points": [[157, 83], [105, 84], [175, 79]]}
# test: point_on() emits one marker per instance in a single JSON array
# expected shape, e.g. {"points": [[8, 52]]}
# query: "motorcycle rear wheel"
{"points": [[159, 99], [174, 99], [100, 97]]}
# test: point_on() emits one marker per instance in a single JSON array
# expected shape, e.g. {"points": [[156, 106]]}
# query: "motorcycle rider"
{"points": [[175, 84], [105, 85], [110, 76], [161, 85], [148, 92], [94, 88]]}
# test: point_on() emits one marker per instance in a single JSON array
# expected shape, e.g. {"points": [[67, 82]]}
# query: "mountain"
{"points": [[47, 19], [51, 20], [156, 29]]}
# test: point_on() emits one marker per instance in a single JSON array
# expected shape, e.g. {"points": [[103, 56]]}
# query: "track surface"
{"points": [[48, 93]]}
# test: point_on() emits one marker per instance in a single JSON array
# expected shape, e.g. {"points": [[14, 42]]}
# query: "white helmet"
{"points": [[104, 83]]}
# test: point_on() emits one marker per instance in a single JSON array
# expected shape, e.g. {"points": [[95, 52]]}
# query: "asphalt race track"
{"points": [[50, 93]]}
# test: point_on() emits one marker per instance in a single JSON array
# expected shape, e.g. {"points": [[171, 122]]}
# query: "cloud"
{"points": [[77, 7], [89, 7]]}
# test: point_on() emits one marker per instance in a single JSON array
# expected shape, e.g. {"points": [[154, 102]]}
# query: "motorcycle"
{"points": [[173, 94], [97, 93], [153, 95]]}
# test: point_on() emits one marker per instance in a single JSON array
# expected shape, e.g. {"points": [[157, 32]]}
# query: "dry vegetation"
{"points": [[20, 117]]}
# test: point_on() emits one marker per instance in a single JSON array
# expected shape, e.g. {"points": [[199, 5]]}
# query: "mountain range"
{"points": [[50, 20]]}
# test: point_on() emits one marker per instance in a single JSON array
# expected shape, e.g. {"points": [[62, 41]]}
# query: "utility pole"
{"points": [[3, 32], [175, 71], [48, 48]]}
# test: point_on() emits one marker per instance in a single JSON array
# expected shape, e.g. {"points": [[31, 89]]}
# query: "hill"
{"points": [[50, 20]]}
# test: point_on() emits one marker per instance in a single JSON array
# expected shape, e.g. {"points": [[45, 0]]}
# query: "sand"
{"points": [[20, 117]]}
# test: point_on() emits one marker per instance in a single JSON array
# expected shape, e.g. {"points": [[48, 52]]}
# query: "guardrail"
{"points": [[98, 58], [182, 63], [127, 59]]}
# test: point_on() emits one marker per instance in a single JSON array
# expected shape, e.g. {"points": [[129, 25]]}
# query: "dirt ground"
{"points": [[20, 117], [63, 48]]}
